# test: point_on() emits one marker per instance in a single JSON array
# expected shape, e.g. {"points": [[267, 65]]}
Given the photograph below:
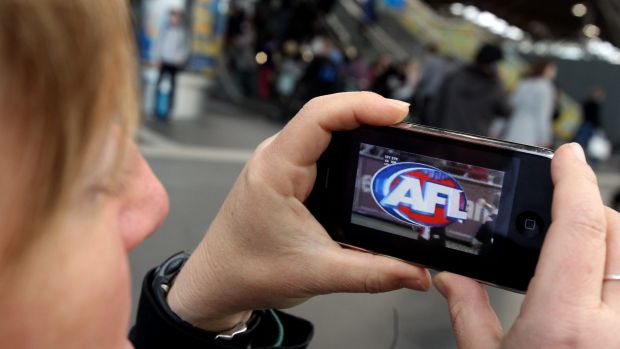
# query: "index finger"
{"points": [[572, 260], [307, 135]]}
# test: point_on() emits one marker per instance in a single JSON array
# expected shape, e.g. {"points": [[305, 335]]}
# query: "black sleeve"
{"points": [[503, 107], [158, 327]]}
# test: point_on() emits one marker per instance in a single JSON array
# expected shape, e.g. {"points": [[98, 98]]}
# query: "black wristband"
{"points": [[157, 326], [163, 279]]}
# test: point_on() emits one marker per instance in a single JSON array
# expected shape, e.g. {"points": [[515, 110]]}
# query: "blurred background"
{"points": [[219, 76]]}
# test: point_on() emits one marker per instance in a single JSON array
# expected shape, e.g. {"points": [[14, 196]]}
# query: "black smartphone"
{"points": [[449, 201]]}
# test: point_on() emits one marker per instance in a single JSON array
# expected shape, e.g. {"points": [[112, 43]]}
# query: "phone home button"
{"points": [[529, 224]]}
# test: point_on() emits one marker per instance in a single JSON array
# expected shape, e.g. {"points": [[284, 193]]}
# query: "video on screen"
{"points": [[435, 201]]}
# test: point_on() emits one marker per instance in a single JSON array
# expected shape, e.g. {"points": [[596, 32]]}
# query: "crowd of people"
{"points": [[291, 60]]}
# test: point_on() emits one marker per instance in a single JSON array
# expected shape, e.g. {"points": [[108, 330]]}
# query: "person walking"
{"points": [[433, 72], [171, 55], [533, 102], [471, 97], [591, 109]]}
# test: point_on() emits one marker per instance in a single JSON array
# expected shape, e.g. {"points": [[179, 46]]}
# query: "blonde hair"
{"points": [[67, 75]]}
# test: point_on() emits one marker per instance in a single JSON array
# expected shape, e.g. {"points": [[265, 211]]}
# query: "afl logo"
{"points": [[419, 194]]}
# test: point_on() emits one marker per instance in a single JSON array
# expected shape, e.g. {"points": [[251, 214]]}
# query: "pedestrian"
{"points": [[433, 72], [356, 71], [370, 12], [322, 74], [591, 113], [533, 102], [243, 59], [171, 56], [473, 96], [289, 71], [392, 78]]}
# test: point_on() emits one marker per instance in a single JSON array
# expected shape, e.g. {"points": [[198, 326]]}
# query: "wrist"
{"points": [[211, 322], [197, 297]]}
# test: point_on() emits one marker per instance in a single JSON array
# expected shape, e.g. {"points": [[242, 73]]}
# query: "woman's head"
{"points": [[76, 193], [542, 68], [67, 77]]}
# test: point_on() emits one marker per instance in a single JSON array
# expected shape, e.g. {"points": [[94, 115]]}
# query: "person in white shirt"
{"points": [[533, 102], [172, 51]]}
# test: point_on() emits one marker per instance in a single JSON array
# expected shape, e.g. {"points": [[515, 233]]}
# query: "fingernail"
{"points": [[399, 104], [578, 151], [415, 284], [424, 286]]}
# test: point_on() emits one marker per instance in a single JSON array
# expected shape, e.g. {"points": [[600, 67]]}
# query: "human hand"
{"points": [[569, 304], [264, 249]]}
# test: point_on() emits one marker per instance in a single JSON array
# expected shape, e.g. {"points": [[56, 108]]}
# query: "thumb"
{"points": [[355, 271], [474, 322]]}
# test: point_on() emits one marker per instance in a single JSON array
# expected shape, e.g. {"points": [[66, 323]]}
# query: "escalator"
{"points": [[387, 35], [346, 26]]}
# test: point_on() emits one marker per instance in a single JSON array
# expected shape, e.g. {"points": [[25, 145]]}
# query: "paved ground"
{"points": [[198, 162]]}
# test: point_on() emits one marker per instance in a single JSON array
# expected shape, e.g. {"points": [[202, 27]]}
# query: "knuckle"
{"points": [[313, 103], [589, 176], [613, 219], [253, 173], [262, 147], [589, 224], [497, 333], [561, 337], [369, 94], [458, 316], [372, 281], [457, 311]]}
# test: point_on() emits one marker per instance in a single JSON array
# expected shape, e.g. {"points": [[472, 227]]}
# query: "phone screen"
{"points": [[434, 201]]}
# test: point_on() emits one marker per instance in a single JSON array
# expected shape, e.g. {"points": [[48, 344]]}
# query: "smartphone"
{"points": [[445, 200]]}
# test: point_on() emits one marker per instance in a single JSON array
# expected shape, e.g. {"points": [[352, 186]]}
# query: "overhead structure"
{"points": [[609, 11], [552, 19]]}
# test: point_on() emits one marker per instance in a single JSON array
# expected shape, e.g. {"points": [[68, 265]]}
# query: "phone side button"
{"points": [[327, 177]]}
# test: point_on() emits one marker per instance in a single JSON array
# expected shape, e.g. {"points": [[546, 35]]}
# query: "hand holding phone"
{"points": [[574, 300], [264, 249], [445, 200]]}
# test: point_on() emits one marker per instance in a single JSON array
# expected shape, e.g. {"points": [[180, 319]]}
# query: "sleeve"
{"points": [[503, 105], [158, 46], [158, 327], [543, 105], [545, 136], [184, 49], [437, 108]]}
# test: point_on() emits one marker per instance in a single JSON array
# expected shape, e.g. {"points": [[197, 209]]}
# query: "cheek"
{"points": [[109, 301], [72, 291], [101, 288]]}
